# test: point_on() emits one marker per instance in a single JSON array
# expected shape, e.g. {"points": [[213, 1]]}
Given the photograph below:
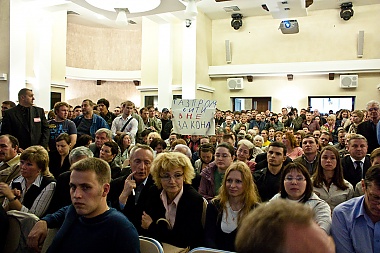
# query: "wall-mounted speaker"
{"points": [[235, 83], [360, 44], [349, 81], [228, 51]]}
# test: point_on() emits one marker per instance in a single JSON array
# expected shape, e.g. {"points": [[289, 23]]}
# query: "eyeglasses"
{"points": [[298, 179], [167, 177], [373, 109]]}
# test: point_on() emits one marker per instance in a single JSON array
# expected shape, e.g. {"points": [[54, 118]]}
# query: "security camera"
{"points": [[236, 21], [346, 11], [188, 22]]}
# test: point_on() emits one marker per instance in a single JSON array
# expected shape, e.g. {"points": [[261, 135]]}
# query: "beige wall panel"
{"points": [[295, 93], [4, 47], [103, 48], [204, 48], [149, 54], [115, 92], [323, 36]]}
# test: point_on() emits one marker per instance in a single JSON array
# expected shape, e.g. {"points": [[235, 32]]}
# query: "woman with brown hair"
{"points": [[293, 150], [237, 197], [328, 180]]}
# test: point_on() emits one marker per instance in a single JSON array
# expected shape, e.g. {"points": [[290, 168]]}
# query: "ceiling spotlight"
{"points": [[346, 11], [236, 21]]}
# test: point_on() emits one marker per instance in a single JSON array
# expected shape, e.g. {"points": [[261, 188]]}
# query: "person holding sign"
{"points": [[212, 176]]}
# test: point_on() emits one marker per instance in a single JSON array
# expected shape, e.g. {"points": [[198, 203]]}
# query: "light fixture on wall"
{"points": [[121, 18], [191, 8]]}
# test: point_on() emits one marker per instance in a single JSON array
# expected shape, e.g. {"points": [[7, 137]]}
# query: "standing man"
{"points": [[61, 124], [167, 124], [370, 129], [77, 111], [125, 123], [268, 179], [103, 105], [310, 155], [88, 225], [358, 162], [130, 192], [89, 122], [26, 122], [355, 223], [310, 123]]}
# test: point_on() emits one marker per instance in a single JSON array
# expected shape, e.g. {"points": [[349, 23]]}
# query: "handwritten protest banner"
{"points": [[194, 116]]}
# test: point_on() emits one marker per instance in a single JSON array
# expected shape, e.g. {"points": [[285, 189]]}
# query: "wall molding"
{"points": [[104, 75], [298, 68]]}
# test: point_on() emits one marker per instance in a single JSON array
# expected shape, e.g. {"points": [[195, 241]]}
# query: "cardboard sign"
{"points": [[194, 116]]}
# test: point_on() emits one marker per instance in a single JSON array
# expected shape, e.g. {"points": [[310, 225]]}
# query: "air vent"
{"points": [[231, 8], [349, 81], [235, 83]]}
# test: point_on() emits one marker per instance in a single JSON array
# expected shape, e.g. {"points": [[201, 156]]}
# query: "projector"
{"points": [[289, 26]]}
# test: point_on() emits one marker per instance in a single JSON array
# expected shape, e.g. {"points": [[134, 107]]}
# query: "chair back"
{"points": [[20, 224], [208, 250], [205, 203], [150, 245], [49, 239]]}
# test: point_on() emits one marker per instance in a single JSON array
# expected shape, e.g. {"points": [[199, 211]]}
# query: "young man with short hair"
{"points": [[88, 225]]}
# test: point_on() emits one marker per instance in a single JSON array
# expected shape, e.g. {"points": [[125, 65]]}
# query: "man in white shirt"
{"points": [[125, 123]]}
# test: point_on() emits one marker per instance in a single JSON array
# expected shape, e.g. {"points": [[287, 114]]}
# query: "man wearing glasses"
{"points": [[368, 128], [355, 223]]}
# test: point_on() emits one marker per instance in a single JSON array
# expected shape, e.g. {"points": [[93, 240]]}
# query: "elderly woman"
{"points": [[151, 136], [108, 152], [32, 191], [244, 153], [297, 186], [59, 159], [212, 176], [173, 212], [328, 180], [237, 197]]}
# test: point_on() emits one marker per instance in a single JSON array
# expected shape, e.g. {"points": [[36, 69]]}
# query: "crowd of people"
{"points": [[104, 178]]}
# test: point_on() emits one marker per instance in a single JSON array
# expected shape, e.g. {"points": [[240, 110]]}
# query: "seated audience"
{"points": [[108, 153], [293, 150], [59, 158], [158, 145], [206, 156], [212, 175], [88, 225], [310, 155], [296, 186], [328, 180], [84, 141], [61, 195], [173, 213], [125, 143], [375, 159], [282, 226], [33, 190], [237, 197], [244, 152], [355, 223]]}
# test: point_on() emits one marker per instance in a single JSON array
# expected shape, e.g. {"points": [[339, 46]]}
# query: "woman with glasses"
{"points": [[237, 197], [173, 212], [328, 180], [212, 176], [297, 186], [244, 153]]}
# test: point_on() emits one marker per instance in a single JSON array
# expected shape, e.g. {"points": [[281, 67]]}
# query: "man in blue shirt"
{"points": [[355, 223], [88, 225]]}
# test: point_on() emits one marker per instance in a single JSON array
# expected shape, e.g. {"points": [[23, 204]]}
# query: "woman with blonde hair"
{"points": [[331, 127], [237, 197], [173, 213], [151, 136], [33, 190]]}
